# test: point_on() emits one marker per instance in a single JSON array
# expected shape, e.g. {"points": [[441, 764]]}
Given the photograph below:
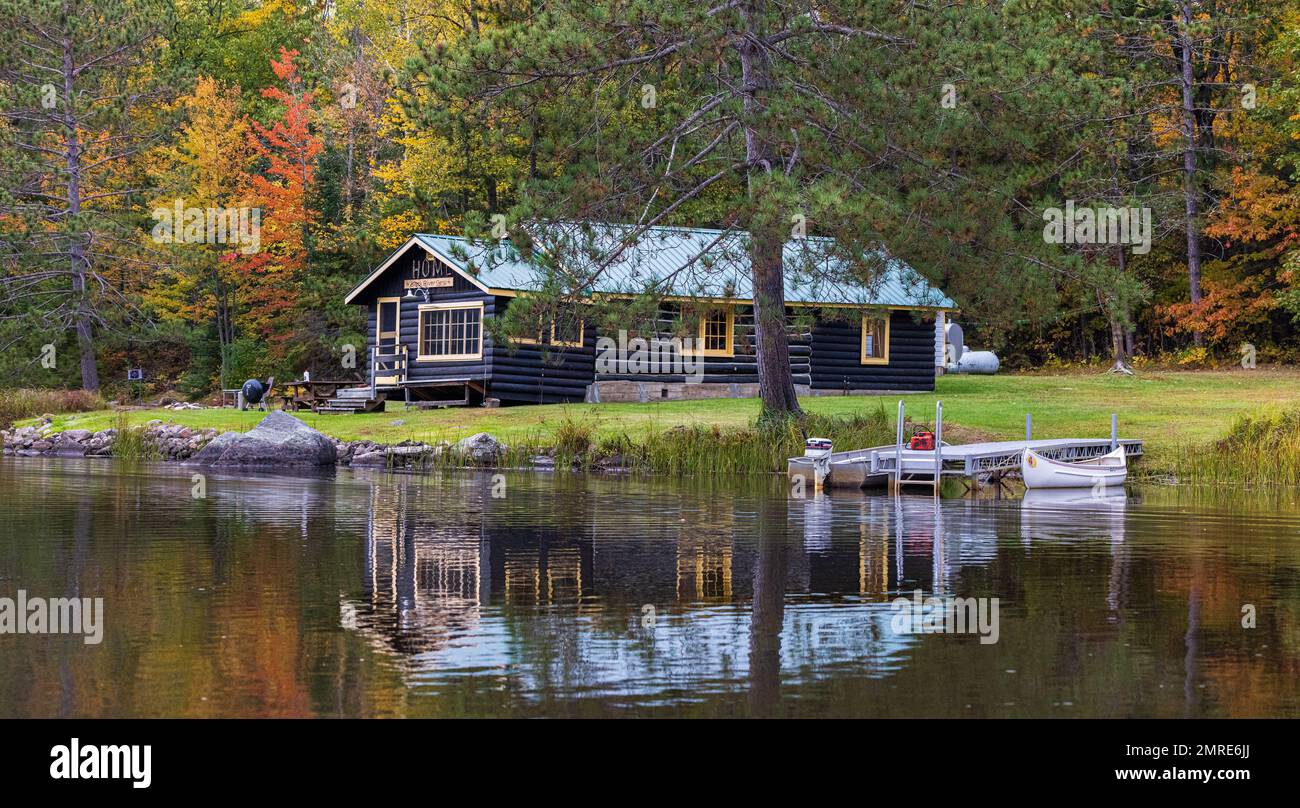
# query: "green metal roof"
{"points": [[688, 262]]}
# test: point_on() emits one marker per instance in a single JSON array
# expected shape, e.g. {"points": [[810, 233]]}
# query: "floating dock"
{"points": [[882, 465]]}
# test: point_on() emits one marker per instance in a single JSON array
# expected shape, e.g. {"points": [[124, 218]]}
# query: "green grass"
{"points": [[1171, 410]]}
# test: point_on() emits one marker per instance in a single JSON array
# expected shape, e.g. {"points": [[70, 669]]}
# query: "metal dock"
{"points": [[883, 465]]}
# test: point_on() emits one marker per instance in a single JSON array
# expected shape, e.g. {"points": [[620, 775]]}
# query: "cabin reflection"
{"points": [[450, 570]]}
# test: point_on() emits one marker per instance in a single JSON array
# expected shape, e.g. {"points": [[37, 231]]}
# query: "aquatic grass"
{"points": [[578, 443], [761, 447], [1260, 448], [132, 442], [573, 440]]}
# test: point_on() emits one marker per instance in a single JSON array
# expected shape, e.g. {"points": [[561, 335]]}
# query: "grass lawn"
{"points": [[1167, 409]]}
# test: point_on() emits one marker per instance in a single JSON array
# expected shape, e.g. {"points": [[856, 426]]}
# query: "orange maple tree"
{"points": [[287, 150]]}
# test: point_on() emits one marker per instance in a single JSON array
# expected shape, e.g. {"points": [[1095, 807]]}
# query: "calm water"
{"points": [[365, 594]]}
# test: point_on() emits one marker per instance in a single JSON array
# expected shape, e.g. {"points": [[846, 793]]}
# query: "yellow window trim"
{"points": [[582, 334], [452, 305], [874, 360], [730, 350]]}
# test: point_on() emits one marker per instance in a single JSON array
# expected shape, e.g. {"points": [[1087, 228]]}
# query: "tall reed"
{"points": [[1260, 448], [132, 442]]}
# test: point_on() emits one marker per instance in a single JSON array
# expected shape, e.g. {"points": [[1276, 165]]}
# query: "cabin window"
{"points": [[567, 333], [450, 331], [532, 340], [716, 336], [564, 334], [875, 339]]}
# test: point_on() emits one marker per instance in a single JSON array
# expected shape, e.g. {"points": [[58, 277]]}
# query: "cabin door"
{"points": [[388, 338]]}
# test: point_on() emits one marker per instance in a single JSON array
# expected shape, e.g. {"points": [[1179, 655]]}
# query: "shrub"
{"points": [[28, 403]]}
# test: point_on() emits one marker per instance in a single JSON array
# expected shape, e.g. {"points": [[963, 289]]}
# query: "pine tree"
{"points": [[770, 120], [72, 73]]}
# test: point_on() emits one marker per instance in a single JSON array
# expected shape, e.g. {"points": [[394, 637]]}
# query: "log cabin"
{"points": [[428, 304]]}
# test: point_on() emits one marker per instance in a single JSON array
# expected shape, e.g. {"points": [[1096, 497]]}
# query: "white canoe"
{"points": [[1043, 472]]}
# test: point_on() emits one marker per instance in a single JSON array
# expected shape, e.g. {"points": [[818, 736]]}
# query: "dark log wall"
{"points": [[741, 368], [837, 355], [390, 284], [542, 374]]}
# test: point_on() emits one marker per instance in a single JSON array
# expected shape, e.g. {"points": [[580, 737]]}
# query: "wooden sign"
{"points": [[428, 283], [429, 274]]}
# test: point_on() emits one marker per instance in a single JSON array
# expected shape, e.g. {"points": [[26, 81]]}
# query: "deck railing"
{"points": [[387, 361]]}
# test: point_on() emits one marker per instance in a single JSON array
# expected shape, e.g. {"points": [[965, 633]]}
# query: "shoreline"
{"points": [[160, 441]]}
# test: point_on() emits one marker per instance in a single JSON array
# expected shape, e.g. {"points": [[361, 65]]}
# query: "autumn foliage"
{"points": [[288, 151]]}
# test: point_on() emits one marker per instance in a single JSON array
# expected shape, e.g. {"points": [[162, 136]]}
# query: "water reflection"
{"points": [[370, 594]]}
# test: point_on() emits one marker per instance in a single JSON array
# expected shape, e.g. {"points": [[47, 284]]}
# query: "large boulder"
{"points": [[279, 440]]}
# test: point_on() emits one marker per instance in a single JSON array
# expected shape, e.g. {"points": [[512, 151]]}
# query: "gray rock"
{"points": [[411, 450], [67, 446], [379, 459], [279, 440], [481, 448]]}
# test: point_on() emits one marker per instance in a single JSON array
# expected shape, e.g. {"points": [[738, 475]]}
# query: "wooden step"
{"points": [[351, 404]]}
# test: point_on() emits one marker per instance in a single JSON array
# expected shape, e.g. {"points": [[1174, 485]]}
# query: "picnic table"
{"points": [[301, 394]]}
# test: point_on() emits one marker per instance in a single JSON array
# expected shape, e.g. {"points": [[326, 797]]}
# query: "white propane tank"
{"points": [[982, 362]]}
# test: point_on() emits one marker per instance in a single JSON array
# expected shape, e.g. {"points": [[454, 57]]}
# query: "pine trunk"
{"points": [[78, 262], [775, 385], [1189, 163]]}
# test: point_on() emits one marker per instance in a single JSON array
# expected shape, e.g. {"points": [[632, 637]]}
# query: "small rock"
{"points": [[371, 459], [481, 448]]}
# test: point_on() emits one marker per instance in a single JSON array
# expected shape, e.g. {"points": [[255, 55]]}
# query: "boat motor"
{"points": [[819, 451]]}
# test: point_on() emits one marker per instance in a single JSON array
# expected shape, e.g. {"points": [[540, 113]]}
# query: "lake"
{"points": [[531, 594]]}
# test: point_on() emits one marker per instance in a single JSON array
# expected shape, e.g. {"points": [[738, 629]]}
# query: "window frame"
{"points": [[730, 349], [449, 306], [883, 359], [582, 337]]}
